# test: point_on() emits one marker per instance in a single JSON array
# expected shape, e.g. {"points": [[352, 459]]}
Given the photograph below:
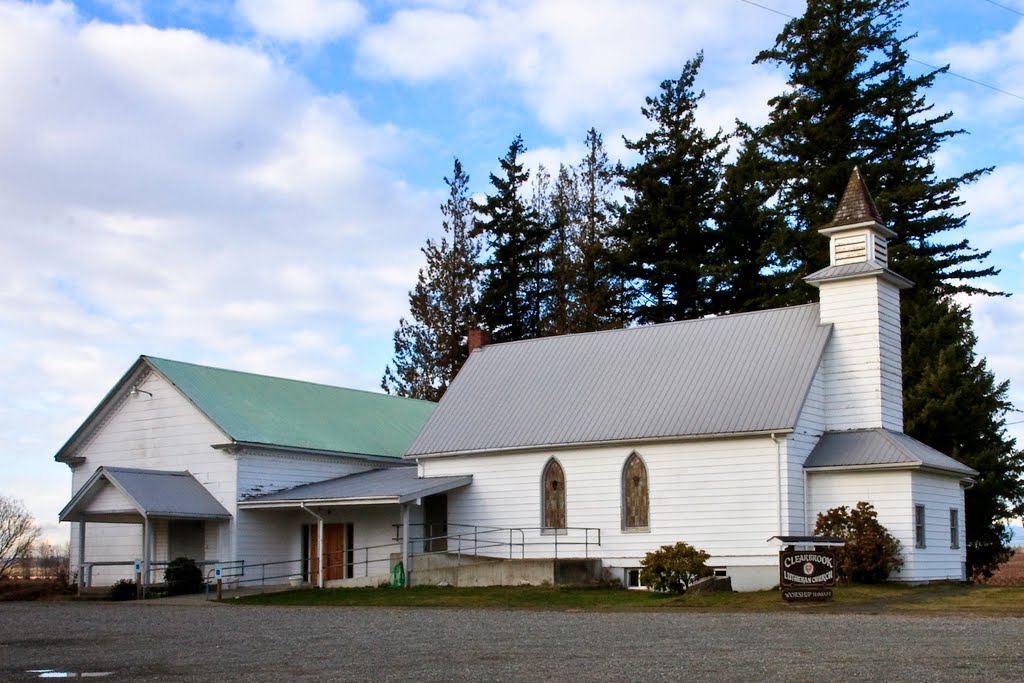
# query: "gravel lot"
{"points": [[224, 642]]}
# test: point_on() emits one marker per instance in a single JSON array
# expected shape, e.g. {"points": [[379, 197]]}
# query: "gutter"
{"points": [[606, 442]]}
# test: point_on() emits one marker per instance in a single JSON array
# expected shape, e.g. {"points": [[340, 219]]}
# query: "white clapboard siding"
{"points": [[159, 432], [273, 536], [266, 472], [938, 559], [718, 495], [893, 494], [862, 361], [809, 426]]}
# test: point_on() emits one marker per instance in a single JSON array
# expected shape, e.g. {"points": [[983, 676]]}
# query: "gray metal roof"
{"points": [[853, 270], [153, 493], [739, 373], [394, 485], [867, 447]]}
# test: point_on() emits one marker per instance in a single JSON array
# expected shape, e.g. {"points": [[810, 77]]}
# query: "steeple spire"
{"points": [[856, 207]]}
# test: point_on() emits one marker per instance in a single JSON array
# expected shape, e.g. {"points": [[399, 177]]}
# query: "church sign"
{"points": [[807, 567], [806, 575]]}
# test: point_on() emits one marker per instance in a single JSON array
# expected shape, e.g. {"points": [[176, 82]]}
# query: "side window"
{"points": [[635, 496], [919, 539], [954, 528], [553, 495]]}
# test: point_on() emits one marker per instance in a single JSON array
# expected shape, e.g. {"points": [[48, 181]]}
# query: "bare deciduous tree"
{"points": [[18, 532]]}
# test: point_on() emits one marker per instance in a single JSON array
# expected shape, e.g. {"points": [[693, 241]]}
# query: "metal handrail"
{"points": [[485, 538]]}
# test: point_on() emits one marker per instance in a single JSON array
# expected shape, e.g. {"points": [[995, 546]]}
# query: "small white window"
{"points": [[633, 579], [954, 528], [919, 540]]}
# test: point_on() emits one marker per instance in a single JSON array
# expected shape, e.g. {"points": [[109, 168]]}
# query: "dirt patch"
{"points": [[1011, 573]]}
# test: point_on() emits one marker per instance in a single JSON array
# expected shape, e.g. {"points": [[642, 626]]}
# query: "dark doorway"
{"points": [[435, 523]]}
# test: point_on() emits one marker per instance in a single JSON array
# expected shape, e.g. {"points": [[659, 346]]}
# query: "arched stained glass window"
{"points": [[635, 497], [553, 495]]}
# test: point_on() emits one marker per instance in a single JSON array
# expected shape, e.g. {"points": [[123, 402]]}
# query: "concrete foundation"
{"points": [[468, 571]]}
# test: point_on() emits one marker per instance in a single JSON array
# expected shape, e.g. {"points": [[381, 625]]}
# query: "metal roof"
{"points": [[393, 485], [272, 411], [747, 372], [153, 493], [850, 271], [872, 447]]}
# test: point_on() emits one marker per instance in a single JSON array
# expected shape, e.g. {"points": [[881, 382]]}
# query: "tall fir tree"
{"points": [[747, 221], [563, 212], [431, 349], [514, 276], [851, 102], [666, 227], [598, 291]]}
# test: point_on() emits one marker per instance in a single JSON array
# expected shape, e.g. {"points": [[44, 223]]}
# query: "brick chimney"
{"points": [[477, 338]]}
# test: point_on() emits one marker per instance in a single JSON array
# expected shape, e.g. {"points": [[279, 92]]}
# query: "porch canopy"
{"points": [[123, 495], [397, 485], [394, 486]]}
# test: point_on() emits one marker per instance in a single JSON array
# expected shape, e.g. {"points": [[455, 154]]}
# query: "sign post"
{"points": [[138, 579], [217, 573], [807, 569]]}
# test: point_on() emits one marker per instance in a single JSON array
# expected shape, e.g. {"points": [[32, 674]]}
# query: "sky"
{"points": [[248, 184]]}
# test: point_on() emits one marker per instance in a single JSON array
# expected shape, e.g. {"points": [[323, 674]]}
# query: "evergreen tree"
{"points": [[564, 215], [852, 102], [666, 228], [513, 274], [598, 291], [953, 403], [742, 264], [820, 128], [430, 350]]}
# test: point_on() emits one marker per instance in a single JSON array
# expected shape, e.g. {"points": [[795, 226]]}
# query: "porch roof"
{"points": [[868, 448], [143, 493], [383, 486]]}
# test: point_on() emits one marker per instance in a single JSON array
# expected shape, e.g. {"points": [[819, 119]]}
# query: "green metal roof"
{"points": [[273, 411]]}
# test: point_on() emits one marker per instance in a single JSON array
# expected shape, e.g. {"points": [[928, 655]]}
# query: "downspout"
{"points": [[147, 550], [405, 542], [319, 544], [807, 495], [778, 482]]}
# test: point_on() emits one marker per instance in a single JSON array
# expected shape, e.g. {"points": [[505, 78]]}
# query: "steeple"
{"points": [[856, 207], [860, 298]]}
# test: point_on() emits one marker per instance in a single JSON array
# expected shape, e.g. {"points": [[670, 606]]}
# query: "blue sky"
{"points": [[247, 184]]}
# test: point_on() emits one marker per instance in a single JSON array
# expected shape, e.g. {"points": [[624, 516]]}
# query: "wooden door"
{"points": [[334, 553]]}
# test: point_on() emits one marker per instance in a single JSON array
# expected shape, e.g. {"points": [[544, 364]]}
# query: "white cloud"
{"points": [[302, 21], [162, 192], [569, 62]]}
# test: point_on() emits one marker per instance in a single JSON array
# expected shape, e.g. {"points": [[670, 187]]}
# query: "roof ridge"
{"points": [[707, 318], [280, 378]]}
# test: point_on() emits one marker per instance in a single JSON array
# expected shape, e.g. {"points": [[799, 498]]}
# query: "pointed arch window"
{"points": [[635, 496], [553, 495]]}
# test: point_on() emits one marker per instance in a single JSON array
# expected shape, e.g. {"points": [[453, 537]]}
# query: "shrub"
{"points": [[674, 567], [183, 576], [123, 590], [871, 553]]}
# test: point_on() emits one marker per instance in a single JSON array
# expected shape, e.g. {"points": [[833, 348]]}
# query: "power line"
{"points": [[918, 61], [1008, 9]]}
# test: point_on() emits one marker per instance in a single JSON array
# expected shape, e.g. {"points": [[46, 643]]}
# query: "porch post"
{"points": [[147, 547], [320, 551], [81, 553], [405, 543]]}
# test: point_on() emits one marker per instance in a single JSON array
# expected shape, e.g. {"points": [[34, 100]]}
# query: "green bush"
{"points": [[183, 576], [674, 567], [871, 553], [123, 590]]}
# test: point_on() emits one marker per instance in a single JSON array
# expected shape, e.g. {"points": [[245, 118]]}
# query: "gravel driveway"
{"points": [[224, 642]]}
